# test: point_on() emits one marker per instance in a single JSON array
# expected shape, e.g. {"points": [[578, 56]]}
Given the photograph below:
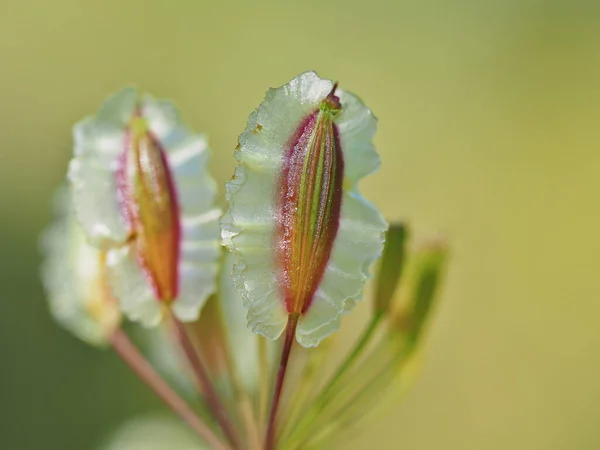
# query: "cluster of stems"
{"points": [[317, 406], [313, 413]]}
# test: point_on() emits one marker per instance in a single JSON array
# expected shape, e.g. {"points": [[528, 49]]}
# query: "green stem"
{"points": [[346, 413], [327, 393], [360, 347], [308, 384]]}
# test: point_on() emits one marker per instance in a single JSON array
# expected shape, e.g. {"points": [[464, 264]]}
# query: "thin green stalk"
{"points": [[308, 384], [358, 350], [355, 406], [326, 394]]}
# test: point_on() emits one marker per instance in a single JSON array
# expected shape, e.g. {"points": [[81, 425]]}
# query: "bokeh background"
{"points": [[489, 135]]}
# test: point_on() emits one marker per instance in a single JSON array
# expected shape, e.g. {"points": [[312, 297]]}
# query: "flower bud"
{"points": [[149, 205], [309, 206], [142, 193], [302, 236]]}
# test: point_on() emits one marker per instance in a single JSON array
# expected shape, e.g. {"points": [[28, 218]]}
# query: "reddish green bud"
{"points": [[309, 205], [149, 204]]}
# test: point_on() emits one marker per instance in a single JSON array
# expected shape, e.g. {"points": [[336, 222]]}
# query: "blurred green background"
{"points": [[489, 135]]}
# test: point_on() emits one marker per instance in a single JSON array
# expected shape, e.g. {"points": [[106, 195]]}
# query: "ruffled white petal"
{"points": [[130, 285], [357, 126], [198, 267], [187, 155], [70, 272], [98, 142], [96, 204], [248, 224], [358, 244]]}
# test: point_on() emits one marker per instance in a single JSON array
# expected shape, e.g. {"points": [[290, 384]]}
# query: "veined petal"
{"points": [[98, 142], [144, 194], [130, 285], [187, 154], [256, 226], [357, 247], [357, 126], [73, 274]]}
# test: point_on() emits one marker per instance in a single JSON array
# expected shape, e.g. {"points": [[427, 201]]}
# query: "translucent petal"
{"points": [[187, 154], [357, 126], [130, 285], [95, 201], [198, 267], [70, 273], [98, 143], [358, 244], [248, 224], [118, 108], [196, 188]]}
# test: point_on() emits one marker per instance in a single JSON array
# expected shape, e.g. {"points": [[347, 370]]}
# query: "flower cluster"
{"points": [[234, 309]]}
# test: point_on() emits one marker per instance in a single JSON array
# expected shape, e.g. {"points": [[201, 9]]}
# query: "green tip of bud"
{"points": [[332, 103], [138, 125], [391, 267]]}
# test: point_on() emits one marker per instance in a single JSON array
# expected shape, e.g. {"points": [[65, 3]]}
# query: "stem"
{"points": [[356, 408], [355, 354], [308, 383], [354, 405], [290, 336], [212, 399], [339, 387], [264, 367], [142, 368]]}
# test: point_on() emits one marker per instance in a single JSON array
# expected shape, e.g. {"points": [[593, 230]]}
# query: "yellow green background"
{"points": [[489, 135]]}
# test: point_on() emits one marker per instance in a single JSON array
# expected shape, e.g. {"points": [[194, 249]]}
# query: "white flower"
{"points": [[303, 236], [142, 192]]}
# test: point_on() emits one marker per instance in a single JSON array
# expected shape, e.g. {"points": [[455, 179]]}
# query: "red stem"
{"points": [[212, 399], [290, 337], [142, 368]]}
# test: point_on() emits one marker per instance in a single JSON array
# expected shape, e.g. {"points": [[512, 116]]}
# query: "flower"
{"points": [[74, 276], [303, 236], [143, 194]]}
